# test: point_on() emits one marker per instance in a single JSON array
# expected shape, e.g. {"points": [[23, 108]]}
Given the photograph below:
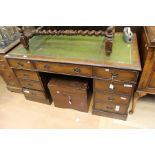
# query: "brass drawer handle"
{"points": [[30, 84], [33, 94], [46, 66], [77, 70], [114, 75], [110, 99], [109, 107], [20, 64], [25, 75]]}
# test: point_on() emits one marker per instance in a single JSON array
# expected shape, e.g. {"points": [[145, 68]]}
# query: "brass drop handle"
{"points": [[20, 64], [114, 75], [46, 66], [26, 75], [77, 70], [30, 84], [110, 99], [109, 107], [70, 100], [33, 94]]}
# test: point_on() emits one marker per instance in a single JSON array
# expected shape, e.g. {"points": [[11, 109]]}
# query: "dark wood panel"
{"points": [[37, 85], [115, 74], [71, 69], [111, 107], [18, 63], [29, 75], [109, 114], [112, 98], [116, 87]]}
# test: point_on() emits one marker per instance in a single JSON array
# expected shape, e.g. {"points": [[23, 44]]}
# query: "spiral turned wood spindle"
{"points": [[109, 35]]}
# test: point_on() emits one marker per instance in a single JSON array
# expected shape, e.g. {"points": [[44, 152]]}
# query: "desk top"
{"points": [[87, 50]]}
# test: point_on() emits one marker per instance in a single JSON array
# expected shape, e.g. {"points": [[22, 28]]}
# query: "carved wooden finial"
{"points": [[24, 41], [109, 35]]}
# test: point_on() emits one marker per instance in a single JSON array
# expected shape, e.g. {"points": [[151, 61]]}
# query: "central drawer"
{"points": [[71, 69], [115, 74], [18, 63], [24, 74], [31, 84], [116, 87]]}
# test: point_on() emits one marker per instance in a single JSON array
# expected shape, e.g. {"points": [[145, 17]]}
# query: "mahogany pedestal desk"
{"points": [[114, 77], [147, 79]]}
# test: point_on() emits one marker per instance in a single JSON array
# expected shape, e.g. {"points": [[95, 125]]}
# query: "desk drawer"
{"points": [[115, 74], [64, 68], [31, 84], [112, 98], [29, 75], [116, 87], [111, 107], [16, 63], [34, 94]]}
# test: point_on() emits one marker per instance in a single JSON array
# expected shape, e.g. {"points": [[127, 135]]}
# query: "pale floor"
{"points": [[17, 112]]}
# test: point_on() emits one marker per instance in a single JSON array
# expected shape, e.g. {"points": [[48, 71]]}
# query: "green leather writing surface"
{"points": [[77, 47]]}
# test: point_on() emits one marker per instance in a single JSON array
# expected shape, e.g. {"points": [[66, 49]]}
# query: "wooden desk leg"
{"points": [[136, 96]]}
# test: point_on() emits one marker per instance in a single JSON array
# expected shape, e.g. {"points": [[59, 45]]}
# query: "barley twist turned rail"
{"points": [[108, 33]]}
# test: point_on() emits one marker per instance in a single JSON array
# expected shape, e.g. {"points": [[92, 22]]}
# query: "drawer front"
{"points": [[111, 107], [115, 74], [70, 100], [64, 68], [112, 98], [34, 94], [116, 87], [31, 84], [28, 75], [16, 63]]}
